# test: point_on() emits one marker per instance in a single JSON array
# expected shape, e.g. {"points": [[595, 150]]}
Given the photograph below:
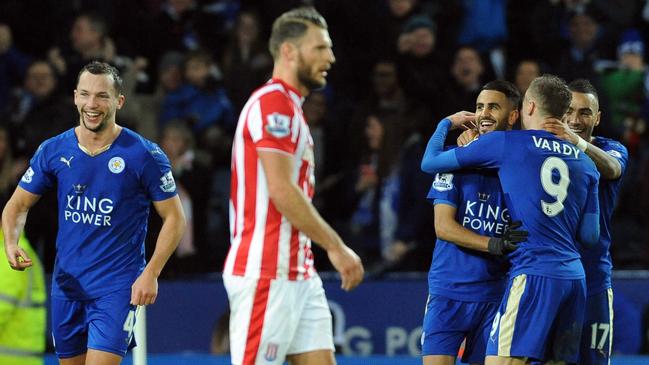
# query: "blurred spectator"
{"points": [[414, 236], [9, 173], [484, 28], [145, 108], [526, 71], [373, 190], [201, 99], [420, 65], [246, 61], [37, 111], [583, 50], [388, 100], [622, 83], [88, 40], [462, 89], [391, 22], [191, 172], [185, 25], [13, 64]]}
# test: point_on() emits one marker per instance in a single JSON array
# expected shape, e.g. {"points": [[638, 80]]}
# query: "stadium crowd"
{"points": [[401, 66]]}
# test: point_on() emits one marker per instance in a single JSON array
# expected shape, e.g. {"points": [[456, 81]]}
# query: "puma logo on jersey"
{"points": [[66, 161]]}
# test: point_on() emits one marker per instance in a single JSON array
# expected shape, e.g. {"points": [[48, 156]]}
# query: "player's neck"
{"points": [[94, 143], [289, 76]]}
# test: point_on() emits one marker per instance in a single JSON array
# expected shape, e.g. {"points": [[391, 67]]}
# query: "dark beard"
{"points": [[308, 82], [99, 128], [303, 76]]}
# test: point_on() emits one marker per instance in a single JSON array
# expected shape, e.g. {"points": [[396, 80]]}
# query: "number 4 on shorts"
{"points": [[129, 323]]}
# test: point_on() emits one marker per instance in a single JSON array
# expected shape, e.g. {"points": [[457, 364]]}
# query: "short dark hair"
{"points": [[507, 88], [583, 86], [292, 25], [552, 93], [102, 68]]}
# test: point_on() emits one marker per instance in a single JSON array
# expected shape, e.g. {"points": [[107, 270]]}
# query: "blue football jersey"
{"points": [[457, 272], [550, 186], [597, 261], [103, 204]]}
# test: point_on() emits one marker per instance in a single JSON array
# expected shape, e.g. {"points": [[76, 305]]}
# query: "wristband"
{"points": [[582, 144]]}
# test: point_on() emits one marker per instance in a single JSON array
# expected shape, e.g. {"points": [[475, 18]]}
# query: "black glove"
{"points": [[509, 241]]}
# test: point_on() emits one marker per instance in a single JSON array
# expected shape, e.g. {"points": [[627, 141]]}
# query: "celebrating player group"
{"points": [[534, 284]]}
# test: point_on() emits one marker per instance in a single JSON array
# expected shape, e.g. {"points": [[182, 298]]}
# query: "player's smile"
{"points": [[486, 125]]}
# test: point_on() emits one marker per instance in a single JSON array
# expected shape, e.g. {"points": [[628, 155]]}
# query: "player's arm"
{"points": [[293, 204], [14, 217], [145, 289], [589, 225], [436, 160], [608, 166], [448, 229]]}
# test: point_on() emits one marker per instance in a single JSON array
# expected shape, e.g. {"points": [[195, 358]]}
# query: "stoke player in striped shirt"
{"points": [[278, 308]]}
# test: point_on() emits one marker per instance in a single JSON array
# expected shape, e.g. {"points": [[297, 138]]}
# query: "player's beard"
{"points": [[499, 125], [306, 78], [100, 127]]}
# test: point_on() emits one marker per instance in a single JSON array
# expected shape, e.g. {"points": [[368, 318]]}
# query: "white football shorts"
{"points": [[270, 319]]}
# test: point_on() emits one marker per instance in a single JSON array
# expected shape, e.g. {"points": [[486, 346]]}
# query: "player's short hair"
{"points": [[552, 94], [102, 68], [292, 25], [510, 90], [583, 86]]}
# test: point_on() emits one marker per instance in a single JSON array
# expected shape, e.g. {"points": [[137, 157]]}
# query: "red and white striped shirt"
{"points": [[264, 244]]}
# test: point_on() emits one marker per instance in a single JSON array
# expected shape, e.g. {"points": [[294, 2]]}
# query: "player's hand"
{"points": [[509, 241], [467, 136], [145, 289], [348, 264], [462, 119], [560, 129], [17, 257]]}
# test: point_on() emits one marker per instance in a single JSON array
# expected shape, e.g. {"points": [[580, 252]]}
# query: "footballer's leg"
{"points": [[318, 357], [597, 333], [313, 338], [438, 360], [96, 357], [69, 330], [502, 360], [111, 319], [447, 323], [76, 360]]}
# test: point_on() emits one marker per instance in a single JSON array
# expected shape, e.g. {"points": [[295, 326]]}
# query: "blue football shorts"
{"points": [[540, 318], [105, 324], [448, 322], [597, 334]]}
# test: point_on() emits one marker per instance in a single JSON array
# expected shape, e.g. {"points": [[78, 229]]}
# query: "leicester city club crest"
{"points": [[116, 165]]}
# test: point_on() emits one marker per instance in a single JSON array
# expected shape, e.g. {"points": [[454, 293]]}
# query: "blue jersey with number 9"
{"points": [[549, 185]]}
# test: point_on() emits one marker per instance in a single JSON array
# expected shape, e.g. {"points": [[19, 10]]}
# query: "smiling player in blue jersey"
{"points": [[611, 158], [551, 186], [467, 277], [106, 177]]}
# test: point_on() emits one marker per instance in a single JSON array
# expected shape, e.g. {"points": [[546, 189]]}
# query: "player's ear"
{"points": [[598, 117], [120, 101], [288, 51], [532, 107], [513, 117]]}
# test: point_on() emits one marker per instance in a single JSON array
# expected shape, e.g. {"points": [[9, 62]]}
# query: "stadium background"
{"points": [[405, 88]]}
